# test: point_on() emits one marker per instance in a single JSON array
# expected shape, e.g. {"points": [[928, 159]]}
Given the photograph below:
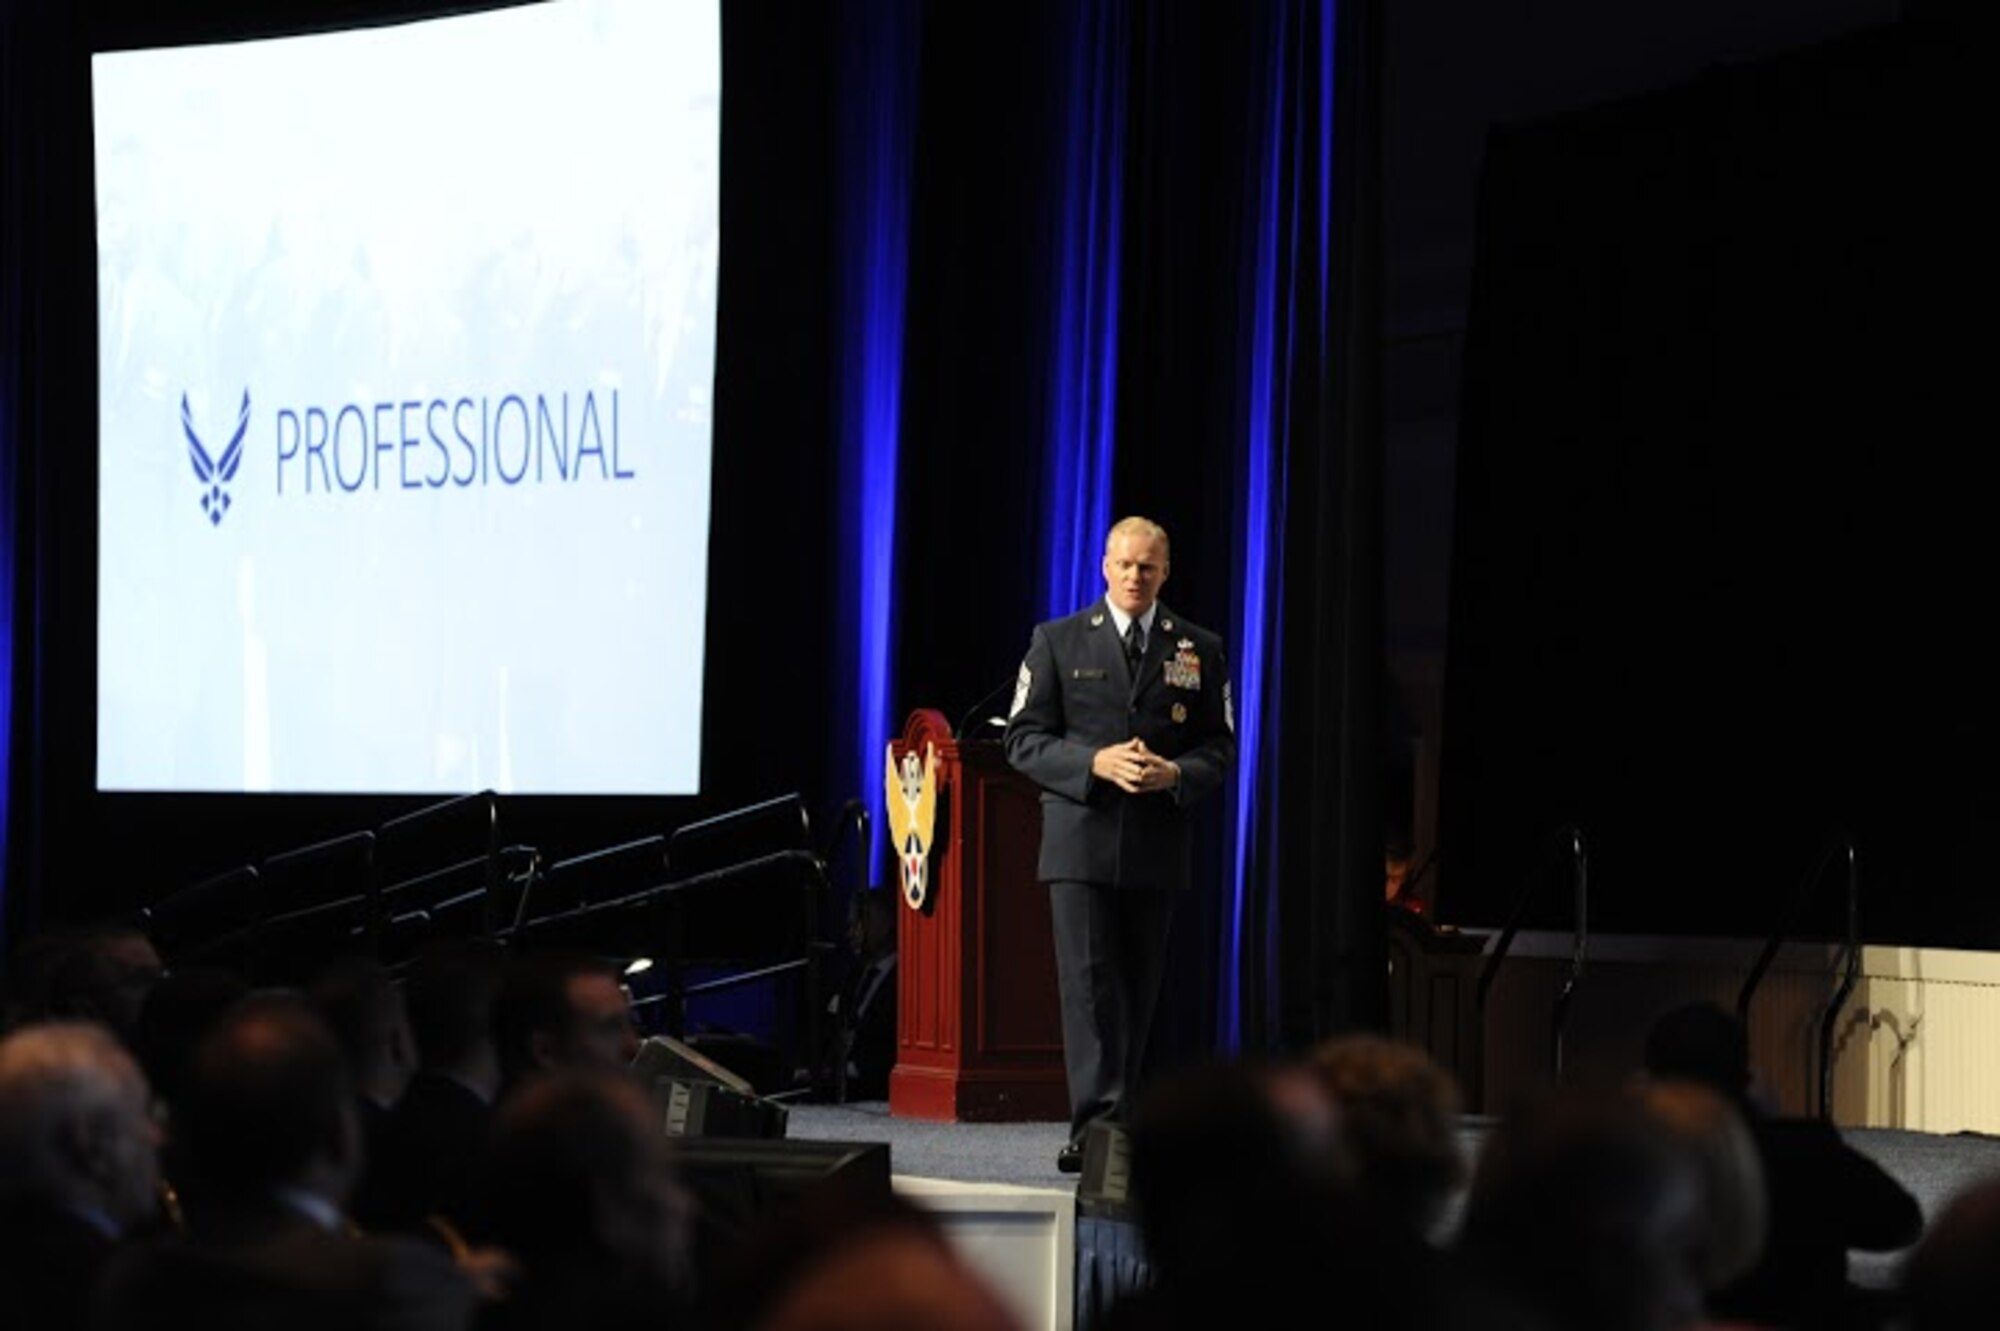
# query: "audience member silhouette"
{"points": [[78, 1168], [363, 1006], [842, 1257], [864, 1009], [1239, 1181], [178, 1012], [1586, 1216], [100, 971], [268, 1123], [430, 1157], [1712, 1130], [1951, 1280], [1825, 1196], [1398, 1114], [583, 1196], [562, 1009]]}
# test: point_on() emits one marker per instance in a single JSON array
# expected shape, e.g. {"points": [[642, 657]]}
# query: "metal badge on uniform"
{"points": [[1097, 621], [1167, 624], [1179, 712], [1184, 671]]}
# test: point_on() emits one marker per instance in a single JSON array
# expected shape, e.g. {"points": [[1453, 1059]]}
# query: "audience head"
{"points": [[581, 1172], [268, 1102], [1951, 1280], [1584, 1210], [363, 1006], [101, 971], [179, 1011], [838, 1258], [1701, 1042], [562, 1009], [450, 991], [1711, 1128], [76, 1125], [1232, 1181], [1398, 1111]]}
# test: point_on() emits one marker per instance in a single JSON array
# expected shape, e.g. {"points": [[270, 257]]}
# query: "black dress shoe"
{"points": [[1070, 1159]]}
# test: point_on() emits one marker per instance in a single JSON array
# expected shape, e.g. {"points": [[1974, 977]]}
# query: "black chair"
{"points": [[338, 869], [209, 922], [319, 903], [591, 879], [754, 923], [443, 872], [740, 835]]}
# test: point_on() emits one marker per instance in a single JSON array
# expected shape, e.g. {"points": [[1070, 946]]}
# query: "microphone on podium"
{"points": [[972, 717]]}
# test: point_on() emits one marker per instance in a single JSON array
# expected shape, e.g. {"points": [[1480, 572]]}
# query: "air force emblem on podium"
{"points": [[912, 798]]}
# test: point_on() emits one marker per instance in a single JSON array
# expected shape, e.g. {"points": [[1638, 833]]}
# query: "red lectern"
{"points": [[978, 1029]]}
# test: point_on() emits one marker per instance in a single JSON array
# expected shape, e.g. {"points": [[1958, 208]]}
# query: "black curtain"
{"points": [[1718, 529]]}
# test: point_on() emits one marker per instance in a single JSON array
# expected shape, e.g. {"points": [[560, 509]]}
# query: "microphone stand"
{"points": [[959, 731]]}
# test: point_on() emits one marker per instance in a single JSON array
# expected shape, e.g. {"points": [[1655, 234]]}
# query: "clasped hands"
{"points": [[1134, 768]]}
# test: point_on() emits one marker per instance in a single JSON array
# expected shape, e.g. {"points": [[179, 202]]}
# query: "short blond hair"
{"points": [[1138, 526]]}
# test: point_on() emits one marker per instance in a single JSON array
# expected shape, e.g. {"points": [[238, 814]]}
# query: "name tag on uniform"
{"points": [[1089, 674]]}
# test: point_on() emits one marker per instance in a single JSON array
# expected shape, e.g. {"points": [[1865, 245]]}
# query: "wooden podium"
{"points": [[978, 1028]]}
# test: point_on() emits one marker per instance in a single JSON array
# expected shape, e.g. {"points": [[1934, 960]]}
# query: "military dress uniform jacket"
{"points": [[1074, 696]]}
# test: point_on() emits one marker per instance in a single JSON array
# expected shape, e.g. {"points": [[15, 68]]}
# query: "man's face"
{"points": [[1135, 566], [127, 968], [601, 1034]]}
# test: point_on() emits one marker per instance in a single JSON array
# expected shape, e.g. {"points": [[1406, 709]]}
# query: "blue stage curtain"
{"points": [[1213, 363], [877, 97], [23, 232], [1312, 795], [1083, 367]]}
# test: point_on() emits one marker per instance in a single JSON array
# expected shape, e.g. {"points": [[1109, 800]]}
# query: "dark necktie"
{"points": [[1135, 646]]}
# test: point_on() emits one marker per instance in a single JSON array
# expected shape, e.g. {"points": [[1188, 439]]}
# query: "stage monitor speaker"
{"points": [[662, 1057], [1104, 1189], [739, 1185], [704, 1109]]}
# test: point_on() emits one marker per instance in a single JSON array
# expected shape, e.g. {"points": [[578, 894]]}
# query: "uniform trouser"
{"points": [[1111, 952]]}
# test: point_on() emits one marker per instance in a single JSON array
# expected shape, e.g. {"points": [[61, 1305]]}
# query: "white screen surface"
{"points": [[455, 282]]}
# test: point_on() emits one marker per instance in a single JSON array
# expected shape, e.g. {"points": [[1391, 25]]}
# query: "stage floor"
{"points": [[1018, 1154]]}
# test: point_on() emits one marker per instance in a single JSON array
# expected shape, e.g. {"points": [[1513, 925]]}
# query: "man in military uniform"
{"points": [[1122, 715]]}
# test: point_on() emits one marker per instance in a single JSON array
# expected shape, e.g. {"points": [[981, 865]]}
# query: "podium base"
{"points": [[957, 1095]]}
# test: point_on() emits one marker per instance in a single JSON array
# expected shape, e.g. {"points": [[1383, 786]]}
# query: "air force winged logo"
{"points": [[215, 473], [912, 794]]}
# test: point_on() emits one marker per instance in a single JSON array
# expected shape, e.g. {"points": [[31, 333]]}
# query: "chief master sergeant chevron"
{"points": [[1122, 715]]}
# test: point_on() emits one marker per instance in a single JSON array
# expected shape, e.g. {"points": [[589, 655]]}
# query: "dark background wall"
{"points": [[1681, 517]]}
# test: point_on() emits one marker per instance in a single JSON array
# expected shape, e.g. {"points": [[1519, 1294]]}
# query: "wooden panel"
{"points": [[1018, 1011], [979, 1034], [1912, 1046]]}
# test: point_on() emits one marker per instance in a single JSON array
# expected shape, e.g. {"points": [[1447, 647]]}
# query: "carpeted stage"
{"points": [[997, 1182]]}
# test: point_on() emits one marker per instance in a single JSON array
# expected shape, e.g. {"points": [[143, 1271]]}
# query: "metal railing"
{"points": [[1850, 968], [1568, 845]]}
